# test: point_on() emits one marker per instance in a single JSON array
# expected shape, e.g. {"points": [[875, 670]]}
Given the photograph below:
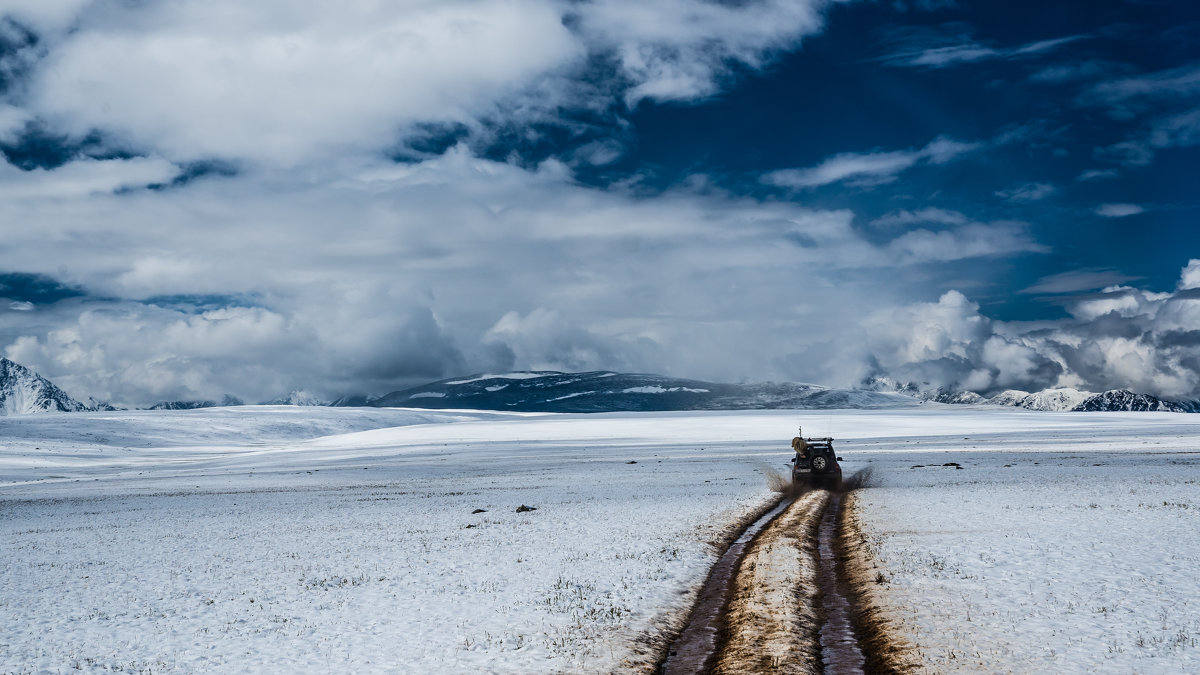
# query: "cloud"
{"points": [[1077, 280], [871, 168], [1076, 71], [951, 45], [84, 177], [1027, 192], [287, 83], [381, 275], [902, 218], [1118, 210], [1097, 174], [968, 241], [544, 340], [224, 79], [679, 49], [1123, 95], [1119, 337], [1164, 105], [213, 179]]}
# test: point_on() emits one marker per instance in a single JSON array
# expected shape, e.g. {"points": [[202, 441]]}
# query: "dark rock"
{"points": [[522, 508]]}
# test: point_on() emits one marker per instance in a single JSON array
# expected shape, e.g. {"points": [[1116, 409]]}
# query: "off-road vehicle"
{"points": [[815, 464]]}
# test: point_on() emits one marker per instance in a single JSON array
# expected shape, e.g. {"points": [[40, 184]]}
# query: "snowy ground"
{"points": [[271, 539], [1049, 551], [234, 540]]}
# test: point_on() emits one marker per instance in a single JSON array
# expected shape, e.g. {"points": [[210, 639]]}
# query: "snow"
{"points": [[428, 394], [280, 538], [528, 375], [252, 539], [1049, 399], [300, 397], [661, 390], [1049, 551], [1055, 399]]}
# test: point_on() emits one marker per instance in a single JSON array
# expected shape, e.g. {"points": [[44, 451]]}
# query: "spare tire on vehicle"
{"points": [[820, 463]]}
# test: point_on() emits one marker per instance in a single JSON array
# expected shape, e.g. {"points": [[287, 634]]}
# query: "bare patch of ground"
{"points": [[688, 645], [772, 625]]}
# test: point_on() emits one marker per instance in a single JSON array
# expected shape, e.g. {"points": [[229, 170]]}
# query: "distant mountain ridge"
{"points": [[1060, 399], [23, 392], [228, 400], [299, 397], [607, 391]]}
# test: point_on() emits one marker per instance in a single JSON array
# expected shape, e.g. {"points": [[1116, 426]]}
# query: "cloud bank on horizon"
{"points": [[201, 198]]}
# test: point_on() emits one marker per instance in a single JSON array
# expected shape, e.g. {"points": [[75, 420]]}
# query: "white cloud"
{"points": [[869, 168], [969, 241], [936, 48], [12, 121], [677, 49], [289, 83], [1077, 280], [43, 15], [1098, 174], [84, 177], [1027, 192], [1121, 337], [1190, 278], [925, 331], [380, 275], [1174, 82], [1118, 210], [935, 215], [284, 82]]}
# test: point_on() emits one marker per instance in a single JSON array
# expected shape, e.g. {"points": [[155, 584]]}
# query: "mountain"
{"points": [[606, 391], [1058, 399], [353, 401], [1120, 399], [23, 391], [299, 397], [228, 400]]}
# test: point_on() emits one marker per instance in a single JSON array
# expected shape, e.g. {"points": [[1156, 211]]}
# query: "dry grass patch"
{"points": [[885, 652]]}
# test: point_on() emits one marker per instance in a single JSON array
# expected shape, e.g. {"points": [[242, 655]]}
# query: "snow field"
{"points": [[1072, 561], [275, 539], [360, 552]]}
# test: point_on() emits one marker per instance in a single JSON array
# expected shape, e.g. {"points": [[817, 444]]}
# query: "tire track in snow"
{"points": [[796, 601]]}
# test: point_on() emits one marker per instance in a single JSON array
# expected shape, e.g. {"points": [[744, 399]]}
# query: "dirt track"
{"points": [[772, 624], [801, 600]]}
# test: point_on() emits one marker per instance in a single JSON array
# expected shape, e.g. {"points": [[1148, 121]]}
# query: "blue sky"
{"points": [[202, 198]]}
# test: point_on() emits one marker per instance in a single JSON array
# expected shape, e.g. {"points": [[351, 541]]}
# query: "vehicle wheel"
{"points": [[820, 463]]}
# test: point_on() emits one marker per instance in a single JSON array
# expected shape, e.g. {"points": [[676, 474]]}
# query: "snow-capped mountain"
{"points": [[228, 400], [1120, 399], [606, 391], [353, 401], [299, 397], [1058, 399], [23, 391]]}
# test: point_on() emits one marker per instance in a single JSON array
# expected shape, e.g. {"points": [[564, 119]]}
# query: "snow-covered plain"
{"points": [[1050, 551], [272, 539]]}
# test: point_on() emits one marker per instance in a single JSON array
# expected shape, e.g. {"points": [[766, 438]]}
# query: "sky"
{"points": [[211, 197]]}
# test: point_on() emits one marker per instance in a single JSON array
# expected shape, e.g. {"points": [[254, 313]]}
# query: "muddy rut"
{"points": [[793, 602]]}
